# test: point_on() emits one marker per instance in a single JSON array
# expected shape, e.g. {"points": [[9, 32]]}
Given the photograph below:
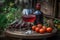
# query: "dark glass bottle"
{"points": [[39, 17]]}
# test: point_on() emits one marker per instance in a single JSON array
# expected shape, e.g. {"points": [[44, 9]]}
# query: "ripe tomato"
{"points": [[39, 25], [49, 29], [41, 31], [37, 29], [33, 27], [44, 27]]}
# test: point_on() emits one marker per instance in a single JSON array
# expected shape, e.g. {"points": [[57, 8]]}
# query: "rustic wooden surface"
{"points": [[34, 35]]}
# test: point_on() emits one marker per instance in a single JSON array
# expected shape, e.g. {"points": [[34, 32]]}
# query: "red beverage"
{"points": [[29, 18]]}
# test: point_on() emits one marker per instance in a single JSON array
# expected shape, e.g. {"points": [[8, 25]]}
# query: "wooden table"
{"points": [[34, 35]]}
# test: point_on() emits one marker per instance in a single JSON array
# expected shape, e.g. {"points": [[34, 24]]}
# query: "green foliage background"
{"points": [[8, 13]]}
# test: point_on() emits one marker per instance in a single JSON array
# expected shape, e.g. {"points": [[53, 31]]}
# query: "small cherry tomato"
{"points": [[33, 28], [49, 29], [37, 29], [44, 27], [41, 31], [39, 25]]}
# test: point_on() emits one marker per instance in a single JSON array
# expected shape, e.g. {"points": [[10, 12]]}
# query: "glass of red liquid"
{"points": [[29, 19]]}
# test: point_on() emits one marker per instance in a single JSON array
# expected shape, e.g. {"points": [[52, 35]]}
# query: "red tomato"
{"points": [[33, 27], [41, 31], [49, 29], [44, 27], [37, 29], [39, 25]]}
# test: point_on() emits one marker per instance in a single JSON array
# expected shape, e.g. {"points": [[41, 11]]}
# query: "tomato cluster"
{"points": [[39, 28]]}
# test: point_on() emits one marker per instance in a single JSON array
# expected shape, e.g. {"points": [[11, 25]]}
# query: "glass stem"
{"points": [[20, 23], [28, 25]]}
